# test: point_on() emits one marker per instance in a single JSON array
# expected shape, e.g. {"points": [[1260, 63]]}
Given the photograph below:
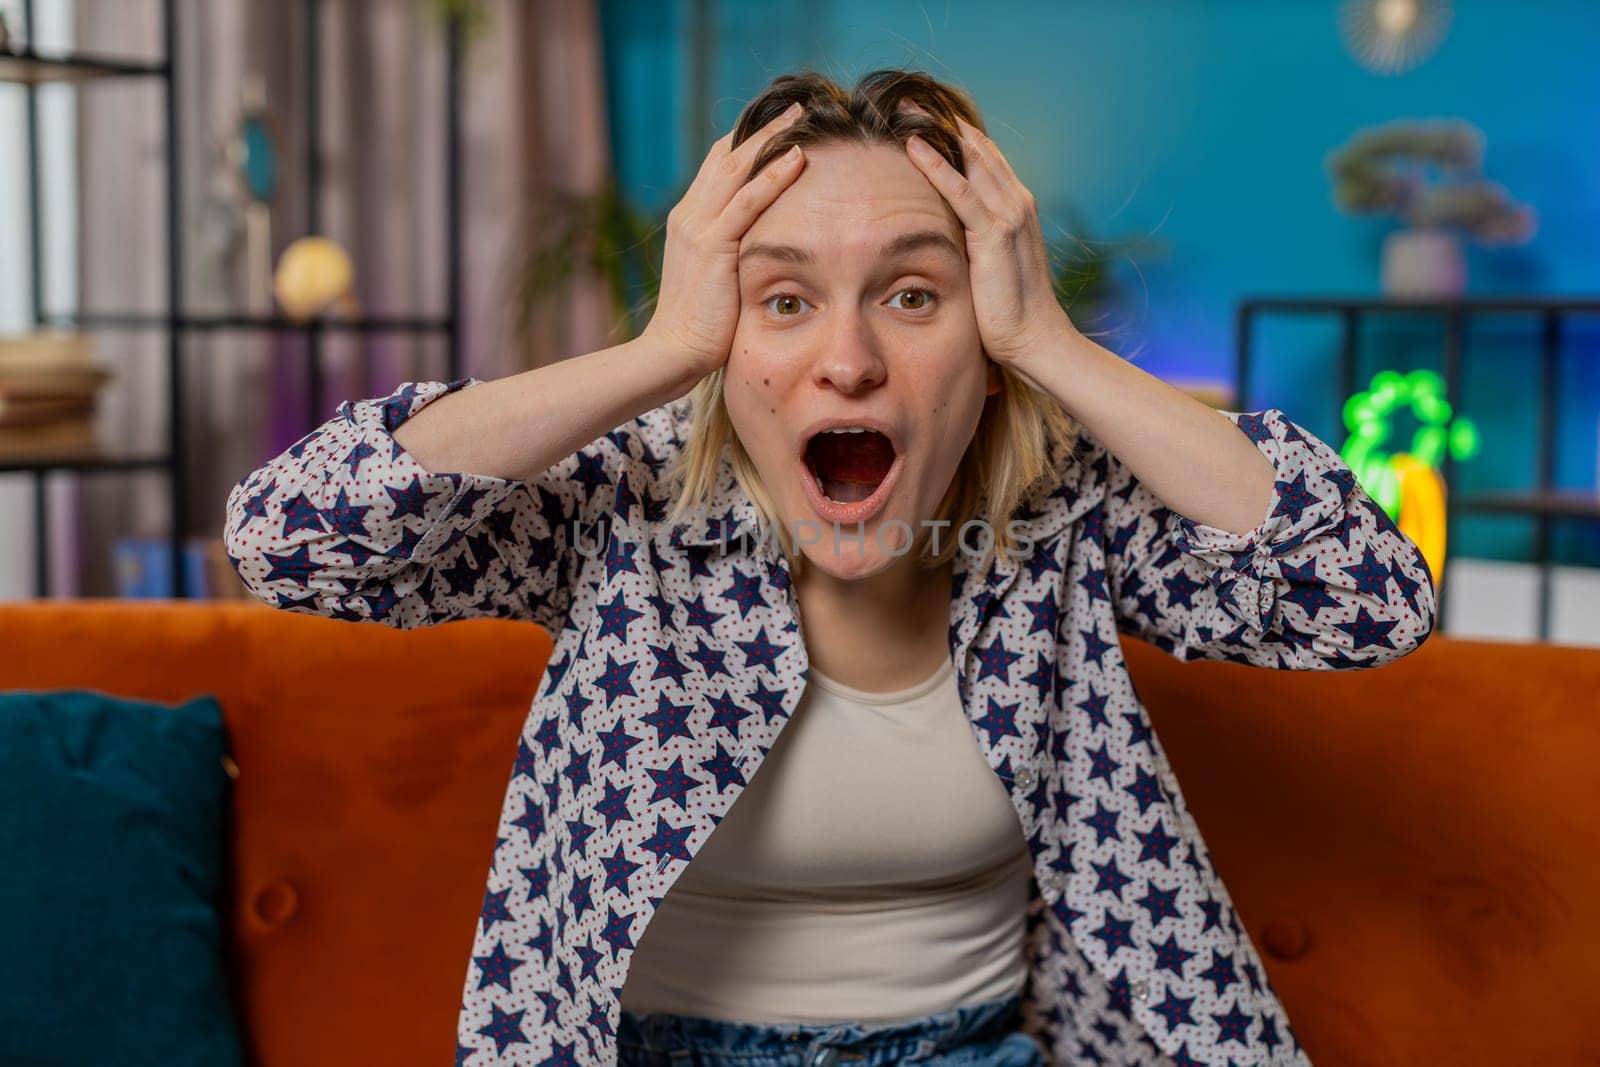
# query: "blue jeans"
{"points": [[976, 1035]]}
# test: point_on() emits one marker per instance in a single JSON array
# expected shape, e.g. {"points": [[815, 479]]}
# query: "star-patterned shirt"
{"points": [[678, 657]]}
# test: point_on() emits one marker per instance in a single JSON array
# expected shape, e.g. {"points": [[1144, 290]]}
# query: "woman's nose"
{"points": [[852, 357]]}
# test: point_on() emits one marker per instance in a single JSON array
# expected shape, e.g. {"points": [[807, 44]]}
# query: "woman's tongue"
{"points": [[850, 467]]}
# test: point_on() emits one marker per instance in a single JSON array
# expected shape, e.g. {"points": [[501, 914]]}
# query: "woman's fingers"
{"points": [[723, 170], [973, 195], [757, 194], [989, 179], [990, 152], [984, 171], [736, 164], [970, 207]]}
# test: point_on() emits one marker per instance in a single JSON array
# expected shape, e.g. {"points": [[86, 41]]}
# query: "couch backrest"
{"points": [[372, 764], [1415, 849]]}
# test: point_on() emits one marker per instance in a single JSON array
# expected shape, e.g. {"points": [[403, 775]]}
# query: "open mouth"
{"points": [[849, 464]]}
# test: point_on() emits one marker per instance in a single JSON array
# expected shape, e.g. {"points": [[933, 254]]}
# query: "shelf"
{"points": [[103, 460], [169, 321], [1542, 504], [26, 67], [262, 323], [1568, 503], [1313, 303]]}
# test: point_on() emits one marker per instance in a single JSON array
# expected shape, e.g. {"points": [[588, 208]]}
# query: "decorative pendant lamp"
{"points": [[1393, 36]]}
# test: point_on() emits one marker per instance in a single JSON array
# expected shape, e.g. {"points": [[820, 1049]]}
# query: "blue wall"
{"points": [[1205, 124]]}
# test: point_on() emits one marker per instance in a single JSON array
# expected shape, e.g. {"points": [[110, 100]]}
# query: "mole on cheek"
{"points": [[766, 381]]}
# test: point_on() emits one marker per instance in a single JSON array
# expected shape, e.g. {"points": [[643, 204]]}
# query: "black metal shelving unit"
{"points": [[1545, 503], [23, 65]]}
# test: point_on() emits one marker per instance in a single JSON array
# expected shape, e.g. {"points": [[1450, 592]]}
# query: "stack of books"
{"points": [[1213, 394], [48, 385], [144, 570]]}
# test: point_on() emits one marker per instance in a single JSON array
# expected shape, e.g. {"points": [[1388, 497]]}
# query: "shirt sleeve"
{"points": [[1325, 581], [347, 524]]}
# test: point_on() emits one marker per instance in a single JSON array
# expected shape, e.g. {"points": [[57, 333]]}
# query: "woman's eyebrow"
{"points": [[902, 245]]}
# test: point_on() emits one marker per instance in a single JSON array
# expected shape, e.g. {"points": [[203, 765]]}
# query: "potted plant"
{"points": [[1428, 174], [604, 233], [1085, 272]]}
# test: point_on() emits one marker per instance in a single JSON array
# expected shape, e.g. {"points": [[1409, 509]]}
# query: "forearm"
{"points": [[517, 426], [1192, 457]]}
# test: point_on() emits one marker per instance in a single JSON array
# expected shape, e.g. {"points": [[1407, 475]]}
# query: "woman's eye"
{"points": [[927, 295], [786, 297]]}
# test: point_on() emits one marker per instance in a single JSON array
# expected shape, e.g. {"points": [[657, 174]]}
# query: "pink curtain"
{"points": [[533, 122]]}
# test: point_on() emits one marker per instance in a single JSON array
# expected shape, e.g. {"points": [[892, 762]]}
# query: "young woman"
{"points": [[861, 510]]}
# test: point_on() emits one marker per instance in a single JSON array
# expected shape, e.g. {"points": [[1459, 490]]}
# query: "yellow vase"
{"points": [[1422, 510], [314, 274]]}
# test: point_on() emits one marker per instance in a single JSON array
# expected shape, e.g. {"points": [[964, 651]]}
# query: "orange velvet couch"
{"points": [[1416, 849]]}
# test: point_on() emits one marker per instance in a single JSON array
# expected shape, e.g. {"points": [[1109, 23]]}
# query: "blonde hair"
{"points": [[1023, 437]]}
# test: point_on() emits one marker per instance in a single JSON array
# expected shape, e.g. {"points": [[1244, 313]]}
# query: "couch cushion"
{"points": [[112, 881]]}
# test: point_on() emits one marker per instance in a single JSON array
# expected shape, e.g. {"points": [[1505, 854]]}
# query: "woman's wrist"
{"points": [[685, 366]]}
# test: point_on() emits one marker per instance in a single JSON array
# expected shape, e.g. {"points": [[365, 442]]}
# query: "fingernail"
{"points": [[920, 148], [791, 111]]}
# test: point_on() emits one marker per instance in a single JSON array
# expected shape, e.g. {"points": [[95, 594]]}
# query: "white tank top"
{"points": [[873, 870]]}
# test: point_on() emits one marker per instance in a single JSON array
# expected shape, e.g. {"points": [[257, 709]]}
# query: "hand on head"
{"points": [[1013, 292], [697, 310]]}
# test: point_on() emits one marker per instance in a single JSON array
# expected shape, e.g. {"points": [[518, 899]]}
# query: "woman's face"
{"points": [[855, 310]]}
